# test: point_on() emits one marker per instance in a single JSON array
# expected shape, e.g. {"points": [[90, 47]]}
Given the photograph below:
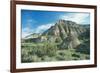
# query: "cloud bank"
{"points": [[80, 18]]}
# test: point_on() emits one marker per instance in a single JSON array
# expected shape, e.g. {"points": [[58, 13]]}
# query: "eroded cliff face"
{"points": [[68, 33]]}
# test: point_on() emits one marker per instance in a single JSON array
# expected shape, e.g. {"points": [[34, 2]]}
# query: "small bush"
{"points": [[76, 55]]}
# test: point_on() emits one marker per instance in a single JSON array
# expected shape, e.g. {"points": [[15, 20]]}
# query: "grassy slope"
{"points": [[46, 51]]}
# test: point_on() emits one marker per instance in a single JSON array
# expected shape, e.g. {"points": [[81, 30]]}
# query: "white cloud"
{"points": [[76, 17], [31, 21], [43, 27], [27, 31]]}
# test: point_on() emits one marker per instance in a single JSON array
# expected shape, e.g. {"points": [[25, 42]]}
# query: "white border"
{"points": [[20, 65]]}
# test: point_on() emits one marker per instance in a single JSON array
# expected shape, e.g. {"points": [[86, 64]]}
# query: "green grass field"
{"points": [[44, 52]]}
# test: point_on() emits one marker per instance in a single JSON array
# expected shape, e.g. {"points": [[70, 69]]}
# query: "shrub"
{"points": [[75, 55]]}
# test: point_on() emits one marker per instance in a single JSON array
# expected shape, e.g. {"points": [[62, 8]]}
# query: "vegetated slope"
{"points": [[66, 40]]}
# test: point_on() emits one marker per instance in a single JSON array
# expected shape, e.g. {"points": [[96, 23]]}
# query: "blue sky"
{"points": [[35, 21]]}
